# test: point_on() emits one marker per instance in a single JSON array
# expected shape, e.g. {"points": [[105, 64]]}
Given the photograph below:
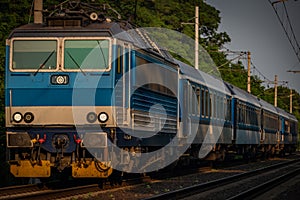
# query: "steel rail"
{"points": [[199, 188]]}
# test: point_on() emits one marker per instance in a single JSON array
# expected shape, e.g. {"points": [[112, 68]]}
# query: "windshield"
{"points": [[33, 55], [86, 54]]}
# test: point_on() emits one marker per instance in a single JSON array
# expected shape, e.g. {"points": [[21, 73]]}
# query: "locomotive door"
{"points": [[122, 83]]}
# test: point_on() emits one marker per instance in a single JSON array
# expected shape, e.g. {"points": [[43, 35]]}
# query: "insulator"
{"points": [[93, 16]]}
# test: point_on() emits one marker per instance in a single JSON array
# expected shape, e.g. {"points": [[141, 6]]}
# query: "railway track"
{"points": [[227, 188], [60, 190], [260, 189], [50, 193], [39, 191], [14, 191]]}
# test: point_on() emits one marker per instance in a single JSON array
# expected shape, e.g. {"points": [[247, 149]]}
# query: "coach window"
{"points": [[34, 55], [286, 126], [218, 111], [194, 102], [220, 108], [251, 117], [245, 114], [86, 54], [258, 116], [223, 108], [241, 113], [247, 109], [214, 99], [217, 107], [202, 111], [198, 101], [228, 110], [255, 116], [209, 104], [206, 103], [222, 105]]}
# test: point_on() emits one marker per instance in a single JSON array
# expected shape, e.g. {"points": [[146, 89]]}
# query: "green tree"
{"points": [[150, 13]]}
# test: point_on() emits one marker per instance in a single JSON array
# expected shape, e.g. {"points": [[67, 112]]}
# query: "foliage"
{"points": [[153, 13]]}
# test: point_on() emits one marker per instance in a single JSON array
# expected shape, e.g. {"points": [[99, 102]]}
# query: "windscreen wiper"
{"points": [[77, 65], [44, 63], [100, 47]]}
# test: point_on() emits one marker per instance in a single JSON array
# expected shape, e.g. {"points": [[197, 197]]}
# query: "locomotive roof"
{"points": [[203, 78], [121, 30], [42, 30]]}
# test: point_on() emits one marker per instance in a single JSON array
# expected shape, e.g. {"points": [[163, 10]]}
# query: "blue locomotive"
{"points": [[85, 94]]}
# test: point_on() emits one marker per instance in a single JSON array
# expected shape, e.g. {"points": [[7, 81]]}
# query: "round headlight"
{"points": [[60, 80], [17, 117], [91, 117], [28, 117], [103, 117]]}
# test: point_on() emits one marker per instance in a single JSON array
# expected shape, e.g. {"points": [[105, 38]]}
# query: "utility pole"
{"points": [[275, 82], [249, 72], [196, 37], [275, 93]]}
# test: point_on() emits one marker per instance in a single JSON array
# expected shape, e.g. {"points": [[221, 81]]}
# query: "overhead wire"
{"points": [[296, 47], [229, 61], [292, 29], [241, 55], [260, 73], [266, 80]]}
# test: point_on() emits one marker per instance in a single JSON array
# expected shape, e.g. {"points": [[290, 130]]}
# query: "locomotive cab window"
{"points": [[86, 55], [34, 54]]}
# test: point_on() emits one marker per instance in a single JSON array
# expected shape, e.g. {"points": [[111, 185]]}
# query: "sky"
{"points": [[253, 26]]}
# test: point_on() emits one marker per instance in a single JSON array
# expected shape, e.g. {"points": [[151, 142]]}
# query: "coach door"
{"points": [[184, 109]]}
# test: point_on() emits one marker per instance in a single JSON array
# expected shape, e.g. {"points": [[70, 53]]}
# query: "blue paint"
{"points": [[93, 88], [233, 107], [59, 97], [133, 64], [282, 125], [7, 53]]}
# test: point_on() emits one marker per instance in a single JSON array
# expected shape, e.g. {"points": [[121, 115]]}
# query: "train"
{"points": [[87, 94]]}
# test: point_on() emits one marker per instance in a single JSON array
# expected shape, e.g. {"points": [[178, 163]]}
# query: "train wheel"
{"points": [[282, 153], [116, 178]]}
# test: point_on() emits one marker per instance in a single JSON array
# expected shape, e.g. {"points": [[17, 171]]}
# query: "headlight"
{"points": [[59, 79], [28, 117], [17, 117], [102, 117], [91, 117]]}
